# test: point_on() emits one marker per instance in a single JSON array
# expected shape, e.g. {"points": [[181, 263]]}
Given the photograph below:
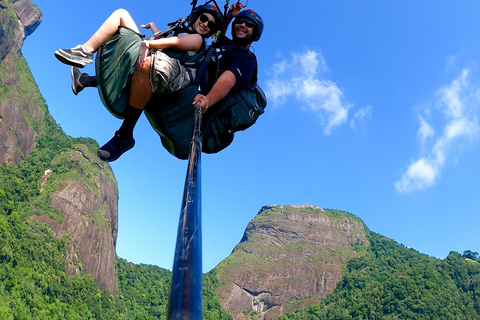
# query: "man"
{"points": [[237, 69], [172, 115]]}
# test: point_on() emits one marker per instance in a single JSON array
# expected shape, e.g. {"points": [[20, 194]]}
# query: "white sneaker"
{"points": [[76, 56]]}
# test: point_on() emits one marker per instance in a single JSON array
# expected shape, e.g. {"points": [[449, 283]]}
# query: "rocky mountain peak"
{"points": [[289, 257]]}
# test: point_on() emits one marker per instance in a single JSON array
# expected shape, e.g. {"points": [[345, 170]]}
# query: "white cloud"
{"points": [[458, 103], [360, 115], [419, 175], [303, 77], [425, 131]]}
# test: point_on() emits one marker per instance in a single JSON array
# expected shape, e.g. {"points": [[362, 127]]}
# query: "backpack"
{"points": [[236, 112]]}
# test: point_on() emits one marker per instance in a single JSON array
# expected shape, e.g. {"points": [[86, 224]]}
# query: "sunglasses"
{"points": [[210, 24], [248, 23]]}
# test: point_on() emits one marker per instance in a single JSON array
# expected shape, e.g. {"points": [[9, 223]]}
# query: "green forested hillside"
{"points": [[393, 282], [34, 283], [389, 282], [33, 280]]}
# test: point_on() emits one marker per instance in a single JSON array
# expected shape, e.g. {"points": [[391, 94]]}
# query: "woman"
{"points": [[167, 72], [207, 21]]}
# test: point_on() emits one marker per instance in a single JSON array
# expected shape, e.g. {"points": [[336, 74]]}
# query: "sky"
{"points": [[373, 108]]}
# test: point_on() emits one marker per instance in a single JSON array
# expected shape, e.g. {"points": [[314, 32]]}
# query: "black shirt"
{"points": [[236, 59]]}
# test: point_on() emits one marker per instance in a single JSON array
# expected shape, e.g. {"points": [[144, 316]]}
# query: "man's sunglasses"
{"points": [[210, 24], [248, 23]]}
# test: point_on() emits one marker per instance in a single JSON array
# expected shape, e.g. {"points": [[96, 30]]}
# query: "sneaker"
{"points": [[69, 59], [114, 148], [76, 57], [77, 86], [79, 52]]}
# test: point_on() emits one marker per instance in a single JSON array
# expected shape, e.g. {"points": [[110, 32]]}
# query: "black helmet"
{"points": [[255, 17], [213, 10]]}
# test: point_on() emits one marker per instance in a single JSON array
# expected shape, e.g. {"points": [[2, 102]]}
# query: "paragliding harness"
{"points": [[238, 111]]}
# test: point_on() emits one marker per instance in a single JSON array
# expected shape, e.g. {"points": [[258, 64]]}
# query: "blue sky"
{"points": [[373, 109]]}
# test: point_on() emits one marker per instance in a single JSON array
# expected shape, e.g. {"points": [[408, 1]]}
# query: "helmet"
{"points": [[255, 17], [213, 10]]}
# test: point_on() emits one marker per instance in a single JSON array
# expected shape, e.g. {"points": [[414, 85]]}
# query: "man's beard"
{"points": [[240, 41]]}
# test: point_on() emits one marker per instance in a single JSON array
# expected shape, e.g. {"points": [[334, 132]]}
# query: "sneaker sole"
{"points": [[74, 87], [117, 157], [75, 56], [69, 60]]}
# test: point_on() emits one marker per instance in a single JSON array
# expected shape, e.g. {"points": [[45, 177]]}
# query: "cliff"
{"points": [[289, 258], [18, 110], [80, 189]]}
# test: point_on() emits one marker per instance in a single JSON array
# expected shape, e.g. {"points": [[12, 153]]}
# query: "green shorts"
{"points": [[168, 75]]}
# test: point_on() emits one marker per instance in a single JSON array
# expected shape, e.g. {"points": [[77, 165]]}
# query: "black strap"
{"points": [[201, 71]]}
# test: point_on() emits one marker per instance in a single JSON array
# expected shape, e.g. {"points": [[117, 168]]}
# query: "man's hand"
{"points": [[234, 10], [204, 102], [219, 91]]}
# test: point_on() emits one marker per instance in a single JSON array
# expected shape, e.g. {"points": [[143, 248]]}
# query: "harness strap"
{"points": [[204, 66]]}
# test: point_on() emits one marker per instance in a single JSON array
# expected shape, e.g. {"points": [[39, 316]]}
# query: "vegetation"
{"points": [[34, 283], [33, 280], [393, 282]]}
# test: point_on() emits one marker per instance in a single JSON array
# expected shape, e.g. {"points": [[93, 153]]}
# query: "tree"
{"points": [[469, 254]]}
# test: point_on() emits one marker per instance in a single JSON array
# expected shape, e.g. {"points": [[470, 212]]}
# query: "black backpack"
{"points": [[238, 111]]}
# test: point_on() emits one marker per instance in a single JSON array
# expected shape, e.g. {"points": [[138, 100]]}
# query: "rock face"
{"points": [[29, 15], [87, 195], [17, 113], [289, 258], [90, 223]]}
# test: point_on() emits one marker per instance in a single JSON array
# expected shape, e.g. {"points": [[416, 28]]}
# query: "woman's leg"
{"points": [[119, 17], [140, 88], [82, 54], [140, 94]]}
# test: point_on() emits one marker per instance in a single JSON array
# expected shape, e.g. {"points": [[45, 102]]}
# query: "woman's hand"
{"points": [[151, 26], [142, 53]]}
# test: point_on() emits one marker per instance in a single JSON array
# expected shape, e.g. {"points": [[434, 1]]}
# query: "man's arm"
{"points": [[219, 91], [232, 13]]}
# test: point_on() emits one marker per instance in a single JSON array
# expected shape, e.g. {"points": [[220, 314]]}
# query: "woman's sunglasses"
{"points": [[210, 24], [248, 23]]}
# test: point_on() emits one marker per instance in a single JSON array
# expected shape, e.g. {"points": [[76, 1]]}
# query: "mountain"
{"points": [[52, 170], [17, 116], [289, 254], [305, 262]]}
